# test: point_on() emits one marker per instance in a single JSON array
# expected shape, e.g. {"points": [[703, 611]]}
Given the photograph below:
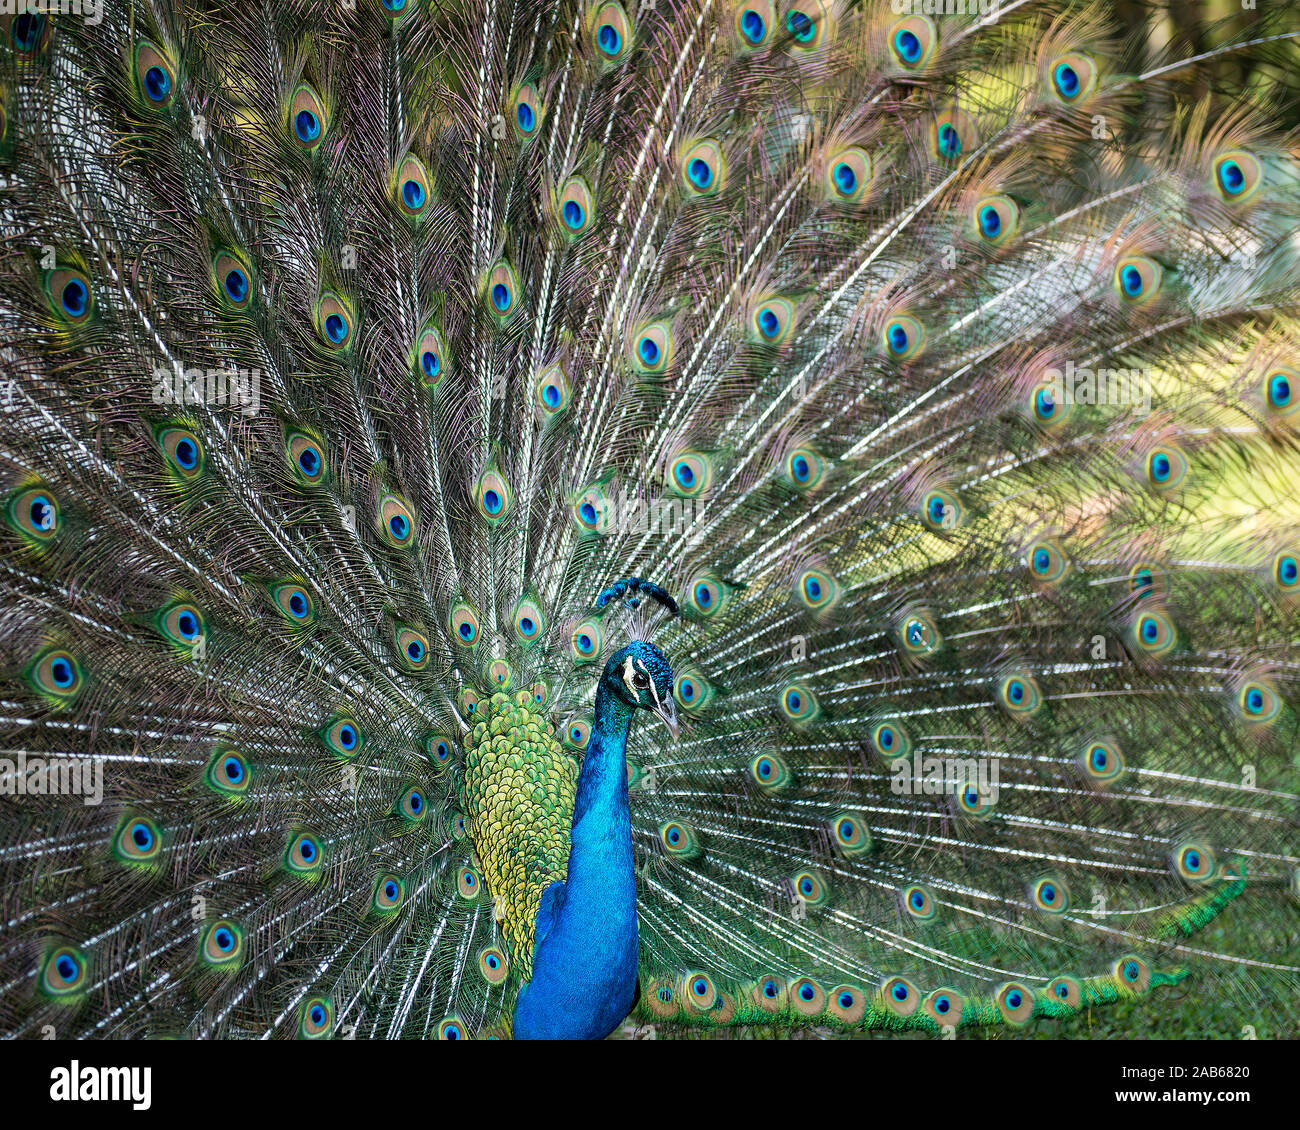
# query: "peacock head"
{"points": [[641, 676]]}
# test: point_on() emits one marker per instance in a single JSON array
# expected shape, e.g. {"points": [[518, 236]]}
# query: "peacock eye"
{"points": [[641, 679]]}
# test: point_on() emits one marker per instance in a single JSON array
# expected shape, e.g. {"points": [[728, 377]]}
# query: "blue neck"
{"points": [[585, 965]]}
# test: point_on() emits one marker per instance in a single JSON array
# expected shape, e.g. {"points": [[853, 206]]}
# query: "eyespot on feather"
{"points": [[316, 1019], [228, 773], [464, 624], [1138, 280], [651, 348], [306, 455], [808, 25], [502, 291], [754, 23], [222, 945], [388, 895], [308, 118], [56, 674], [953, 135], [1015, 1003], [526, 112], [430, 362], [34, 513], [232, 279], [343, 737], [1237, 176], [64, 973], [903, 338], [770, 773], [412, 647], [996, 220], [396, 522], [70, 295], [703, 171], [413, 189], [575, 208], [612, 33], [294, 603], [1101, 761], [944, 1007], [912, 42], [899, 996], [155, 75], [1072, 78], [807, 998], [848, 176], [551, 391]]}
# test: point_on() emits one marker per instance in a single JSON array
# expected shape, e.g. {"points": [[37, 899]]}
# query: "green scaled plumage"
{"points": [[944, 369]]}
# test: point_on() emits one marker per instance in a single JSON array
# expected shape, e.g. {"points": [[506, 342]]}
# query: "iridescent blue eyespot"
{"points": [[307, 126], [1066, 79], [1131, 280], [800, 26], [846, 180], [27, 29], [752, 25], [336, 328], [413, 194], [74, 298], [573, 214], [157, 83], [990, 221], [700, 173], [186, 453], [907, 45], [649, 351], [62, 672], [608, 38], [525, 117], [1279, 390], [501, 297], [949, 140], [236, 284]]}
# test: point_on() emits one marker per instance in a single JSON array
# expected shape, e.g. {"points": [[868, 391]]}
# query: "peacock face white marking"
{"points": [[642, 676]]}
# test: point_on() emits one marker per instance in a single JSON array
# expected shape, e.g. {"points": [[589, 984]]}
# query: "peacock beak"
{"points": [[667, 710]]}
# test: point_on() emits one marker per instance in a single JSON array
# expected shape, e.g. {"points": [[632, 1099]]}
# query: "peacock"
{"points": [[523, 518]]}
